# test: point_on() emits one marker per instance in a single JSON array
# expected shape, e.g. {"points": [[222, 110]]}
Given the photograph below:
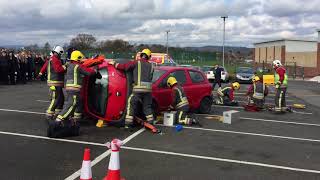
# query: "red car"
{"points": [[106, 98]]}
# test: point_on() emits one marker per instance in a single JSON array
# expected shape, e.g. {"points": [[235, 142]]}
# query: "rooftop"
{"points": [[301, 40]]}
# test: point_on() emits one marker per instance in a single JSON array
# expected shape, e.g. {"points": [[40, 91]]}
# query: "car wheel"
{"points": [[205, 105]]}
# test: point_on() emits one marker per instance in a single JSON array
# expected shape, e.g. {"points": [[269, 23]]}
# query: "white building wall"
{"points": [[300, 46], [269, 44]]}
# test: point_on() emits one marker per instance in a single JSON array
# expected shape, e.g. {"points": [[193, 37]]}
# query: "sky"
{"points": [[191, 22]]}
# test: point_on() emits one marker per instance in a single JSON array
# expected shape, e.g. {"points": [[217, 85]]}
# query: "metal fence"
{"points": [[294, 71]]}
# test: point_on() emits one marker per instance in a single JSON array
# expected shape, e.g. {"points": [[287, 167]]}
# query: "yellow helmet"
{"points": [[236, 85], [255, 79], [171, 81], [76, 56], [146, 52]]}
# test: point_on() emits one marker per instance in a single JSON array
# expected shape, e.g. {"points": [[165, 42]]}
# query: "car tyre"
{"points": [[205, 105]]}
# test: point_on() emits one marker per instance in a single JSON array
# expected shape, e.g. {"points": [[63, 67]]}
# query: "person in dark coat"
{"points": [[4, 68], [38, 62], [217, 76], [23, 64], [12, 67], [30, 67]]}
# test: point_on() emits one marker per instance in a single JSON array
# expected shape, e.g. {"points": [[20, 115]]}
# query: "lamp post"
{"points": [[167, 44], [224, 36]]}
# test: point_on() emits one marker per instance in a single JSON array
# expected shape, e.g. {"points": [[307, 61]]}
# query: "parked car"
{"points": [[106, 98], [244, 74], [210, 71]]}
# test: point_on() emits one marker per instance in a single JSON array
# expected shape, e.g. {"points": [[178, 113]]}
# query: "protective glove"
{"points": [[112, 63], [39, 76]]}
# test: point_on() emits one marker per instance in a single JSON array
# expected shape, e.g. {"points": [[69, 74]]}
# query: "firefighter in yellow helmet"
{"points": [[142, 86], [225, 95], [63, 126], [257, 93], [180, 103]]}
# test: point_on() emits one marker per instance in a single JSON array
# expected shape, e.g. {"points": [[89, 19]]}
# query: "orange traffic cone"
{"points": [[114, 163], [86, 173]]}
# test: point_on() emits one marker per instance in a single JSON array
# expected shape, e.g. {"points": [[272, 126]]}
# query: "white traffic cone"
{"points": [[86, 173], [114, 163]]}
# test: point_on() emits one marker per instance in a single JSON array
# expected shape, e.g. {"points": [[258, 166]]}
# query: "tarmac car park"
{"points": [[258, 146]]}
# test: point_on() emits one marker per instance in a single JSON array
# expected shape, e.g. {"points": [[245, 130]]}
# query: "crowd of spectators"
{"points": [[20, 66]]}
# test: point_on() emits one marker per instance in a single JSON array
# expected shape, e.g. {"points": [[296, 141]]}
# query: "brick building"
{"points": [[303, 55]]}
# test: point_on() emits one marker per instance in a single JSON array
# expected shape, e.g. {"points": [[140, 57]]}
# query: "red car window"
{"points": [[196, 77]]}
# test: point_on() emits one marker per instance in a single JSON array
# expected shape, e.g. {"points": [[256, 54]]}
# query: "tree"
{"points": [[47, 47], [83, 41]]}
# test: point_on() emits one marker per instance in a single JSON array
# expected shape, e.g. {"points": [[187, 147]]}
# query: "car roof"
{"points": [[170, 68]]}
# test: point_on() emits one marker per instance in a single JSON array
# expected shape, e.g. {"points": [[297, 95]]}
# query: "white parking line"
{"points": [[284, 122], [240, 107], [224, 160], [94, 162], [107, 153], [20, 111], [44, 101], [253, 134], [76, 174]]}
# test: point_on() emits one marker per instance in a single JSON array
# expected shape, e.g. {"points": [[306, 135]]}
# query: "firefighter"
{"points": [[225, 95], [142, 85], [55, 72], [180, 103], [281, 83], [257, 93], [62, 126]]}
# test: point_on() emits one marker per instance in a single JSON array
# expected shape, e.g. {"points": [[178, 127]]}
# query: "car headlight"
{"points": [[238, 76]]}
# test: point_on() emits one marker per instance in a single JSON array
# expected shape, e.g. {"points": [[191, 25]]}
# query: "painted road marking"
{"points": [[76, 174], [94, 162], [240, 107], [223, 160], [250, 134], [102, 156], [45, 101], [20, 111], [284, 122]]}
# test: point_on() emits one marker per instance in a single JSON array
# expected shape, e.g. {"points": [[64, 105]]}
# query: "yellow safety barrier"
{"points": [[268, 80]]}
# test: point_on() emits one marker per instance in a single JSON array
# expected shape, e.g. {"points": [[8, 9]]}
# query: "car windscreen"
{"points": [[98, 93], [245, 70], [157, 74], [204, 69]]}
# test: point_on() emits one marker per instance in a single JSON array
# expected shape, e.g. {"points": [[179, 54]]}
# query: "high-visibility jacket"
{"points": [[75, 74], [55, 71], [142, 74], [226, 91], [281, 76], [258, 90], [180, 99]]}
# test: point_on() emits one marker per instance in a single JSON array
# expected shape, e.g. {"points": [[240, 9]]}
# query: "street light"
{"points": [[224, 36], [167, 45]]}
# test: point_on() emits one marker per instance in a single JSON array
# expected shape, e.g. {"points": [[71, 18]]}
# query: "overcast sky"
{"points": [[191, 22]]}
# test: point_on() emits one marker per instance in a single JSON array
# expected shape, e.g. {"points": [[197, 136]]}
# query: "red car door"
{"points": [[196, 88]]}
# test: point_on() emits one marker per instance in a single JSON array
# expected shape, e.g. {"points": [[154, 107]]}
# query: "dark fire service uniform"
{"points": [[142, 87], [257, 92], [74, 77], [181, 105], [225, 96], [55, 73]]}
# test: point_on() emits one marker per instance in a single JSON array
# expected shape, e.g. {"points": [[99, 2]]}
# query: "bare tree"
{"points": [[83, 41]]}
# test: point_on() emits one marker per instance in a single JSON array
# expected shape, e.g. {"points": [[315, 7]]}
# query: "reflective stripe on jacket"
{"points": [[258, 90], [281, 71], [75, 74], [142, 74], [55, 71], [180, 99]]}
